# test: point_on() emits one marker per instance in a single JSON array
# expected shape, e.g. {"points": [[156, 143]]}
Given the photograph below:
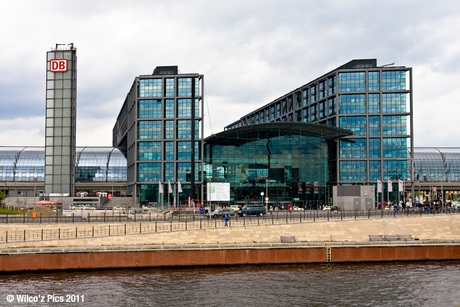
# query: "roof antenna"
{"points": [[391, 64]]}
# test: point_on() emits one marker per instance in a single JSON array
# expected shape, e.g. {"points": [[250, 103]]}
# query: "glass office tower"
{"points": [[160, 130], [375, 102], [60, 141]]}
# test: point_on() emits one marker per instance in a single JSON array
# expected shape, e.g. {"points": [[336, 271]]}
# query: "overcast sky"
{"points": [[250, 52]]}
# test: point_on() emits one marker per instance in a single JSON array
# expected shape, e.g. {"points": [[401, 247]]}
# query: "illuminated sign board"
{"points": [[58, 65]]}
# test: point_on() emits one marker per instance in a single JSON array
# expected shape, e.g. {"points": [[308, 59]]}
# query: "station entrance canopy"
{"points": [[250, 133]]}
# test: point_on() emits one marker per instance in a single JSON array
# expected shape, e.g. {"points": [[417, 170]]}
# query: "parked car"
{"points": [[235, 208], [252, 209], [331, 208], [221, 213], [295, 208]]}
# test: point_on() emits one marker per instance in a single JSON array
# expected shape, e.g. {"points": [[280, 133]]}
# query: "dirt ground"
{"points": [[43, 210]]}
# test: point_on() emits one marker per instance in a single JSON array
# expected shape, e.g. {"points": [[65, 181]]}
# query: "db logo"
{"points": [[58, 65]]}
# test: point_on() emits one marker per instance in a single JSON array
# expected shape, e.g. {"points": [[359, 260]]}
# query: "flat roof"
{"points": [[245, 134]]}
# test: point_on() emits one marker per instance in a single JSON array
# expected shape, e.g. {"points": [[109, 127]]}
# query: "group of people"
{"points": [[394, 204]]}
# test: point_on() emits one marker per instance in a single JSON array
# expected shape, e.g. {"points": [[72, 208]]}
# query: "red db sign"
{"points": [[58, 65]]}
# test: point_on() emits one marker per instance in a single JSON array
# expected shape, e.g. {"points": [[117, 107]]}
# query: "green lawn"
{"points": [[8, 211]]}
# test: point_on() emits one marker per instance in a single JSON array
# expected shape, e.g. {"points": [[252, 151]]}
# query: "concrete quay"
{"points": [[434, 238], [425, 227]]}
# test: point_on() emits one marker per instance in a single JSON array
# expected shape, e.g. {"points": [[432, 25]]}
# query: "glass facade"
{"points": [[374, 102], [290, 167], [160, 131]]}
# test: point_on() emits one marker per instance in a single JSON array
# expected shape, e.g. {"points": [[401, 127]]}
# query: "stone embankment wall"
{"points": [[434, 238]]}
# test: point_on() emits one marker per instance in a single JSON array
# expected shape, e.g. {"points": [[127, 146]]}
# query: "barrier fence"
{"points": [[180, 221]]}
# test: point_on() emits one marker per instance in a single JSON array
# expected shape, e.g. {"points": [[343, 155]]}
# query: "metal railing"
{"points": [[180, 221]]}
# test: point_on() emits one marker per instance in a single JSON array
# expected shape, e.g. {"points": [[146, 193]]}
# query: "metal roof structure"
{"points": [[245, 134]]}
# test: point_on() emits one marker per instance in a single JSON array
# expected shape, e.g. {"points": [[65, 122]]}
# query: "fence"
{"points": [[183, 221]]}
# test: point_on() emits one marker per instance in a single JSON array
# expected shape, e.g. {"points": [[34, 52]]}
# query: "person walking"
{"points": [[226, 221]]}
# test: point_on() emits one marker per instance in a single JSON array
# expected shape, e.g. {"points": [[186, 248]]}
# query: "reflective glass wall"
{"points": [[284, 168]]}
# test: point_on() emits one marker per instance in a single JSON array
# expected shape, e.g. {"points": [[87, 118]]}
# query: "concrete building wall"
{"points": [[354, 197]]}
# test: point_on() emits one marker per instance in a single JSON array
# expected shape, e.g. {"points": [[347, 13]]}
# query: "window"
{"points": [[331, 85], [353, 170], [393, 80], [356, 149], [331, 108], [374, 170], [169, 150], [394, 103], [184, 108], [374, 81], [374, 125], [394, 148], [374, 103], [394, 125], [184, 87], [149, 151], [352, 82], [313, 114], [357, 124], [149, 130], [170, 88], [352, 104], [184, 150], [394, 169], [150, 109], [169, 172], [374, 148], [305, 97], [150, 88], [149, 172], [170, 108], [313, 94], [184, 131], [169, 129]]}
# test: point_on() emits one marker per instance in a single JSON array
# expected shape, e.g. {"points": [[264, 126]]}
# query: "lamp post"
{"points": [[35, 184], [266, 192]]}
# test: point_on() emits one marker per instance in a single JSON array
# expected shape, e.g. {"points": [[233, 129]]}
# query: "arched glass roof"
{"points": [[437, 164], [93, 164], [106, 164]]}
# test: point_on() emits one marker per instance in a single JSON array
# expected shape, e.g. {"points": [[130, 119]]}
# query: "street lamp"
{"points": [[35, 184]]}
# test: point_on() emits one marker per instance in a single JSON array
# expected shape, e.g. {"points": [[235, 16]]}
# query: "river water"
{"points": [[383, 284]]}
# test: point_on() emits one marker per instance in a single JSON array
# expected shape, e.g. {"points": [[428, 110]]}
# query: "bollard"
{"points": [[42, 234], [93, 231], [7, 236], [24, 235], [140, 227], [76, 232], [125, 229]]}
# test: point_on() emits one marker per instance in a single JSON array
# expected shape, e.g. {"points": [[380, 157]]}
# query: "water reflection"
{"points": [[400, 284]]}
